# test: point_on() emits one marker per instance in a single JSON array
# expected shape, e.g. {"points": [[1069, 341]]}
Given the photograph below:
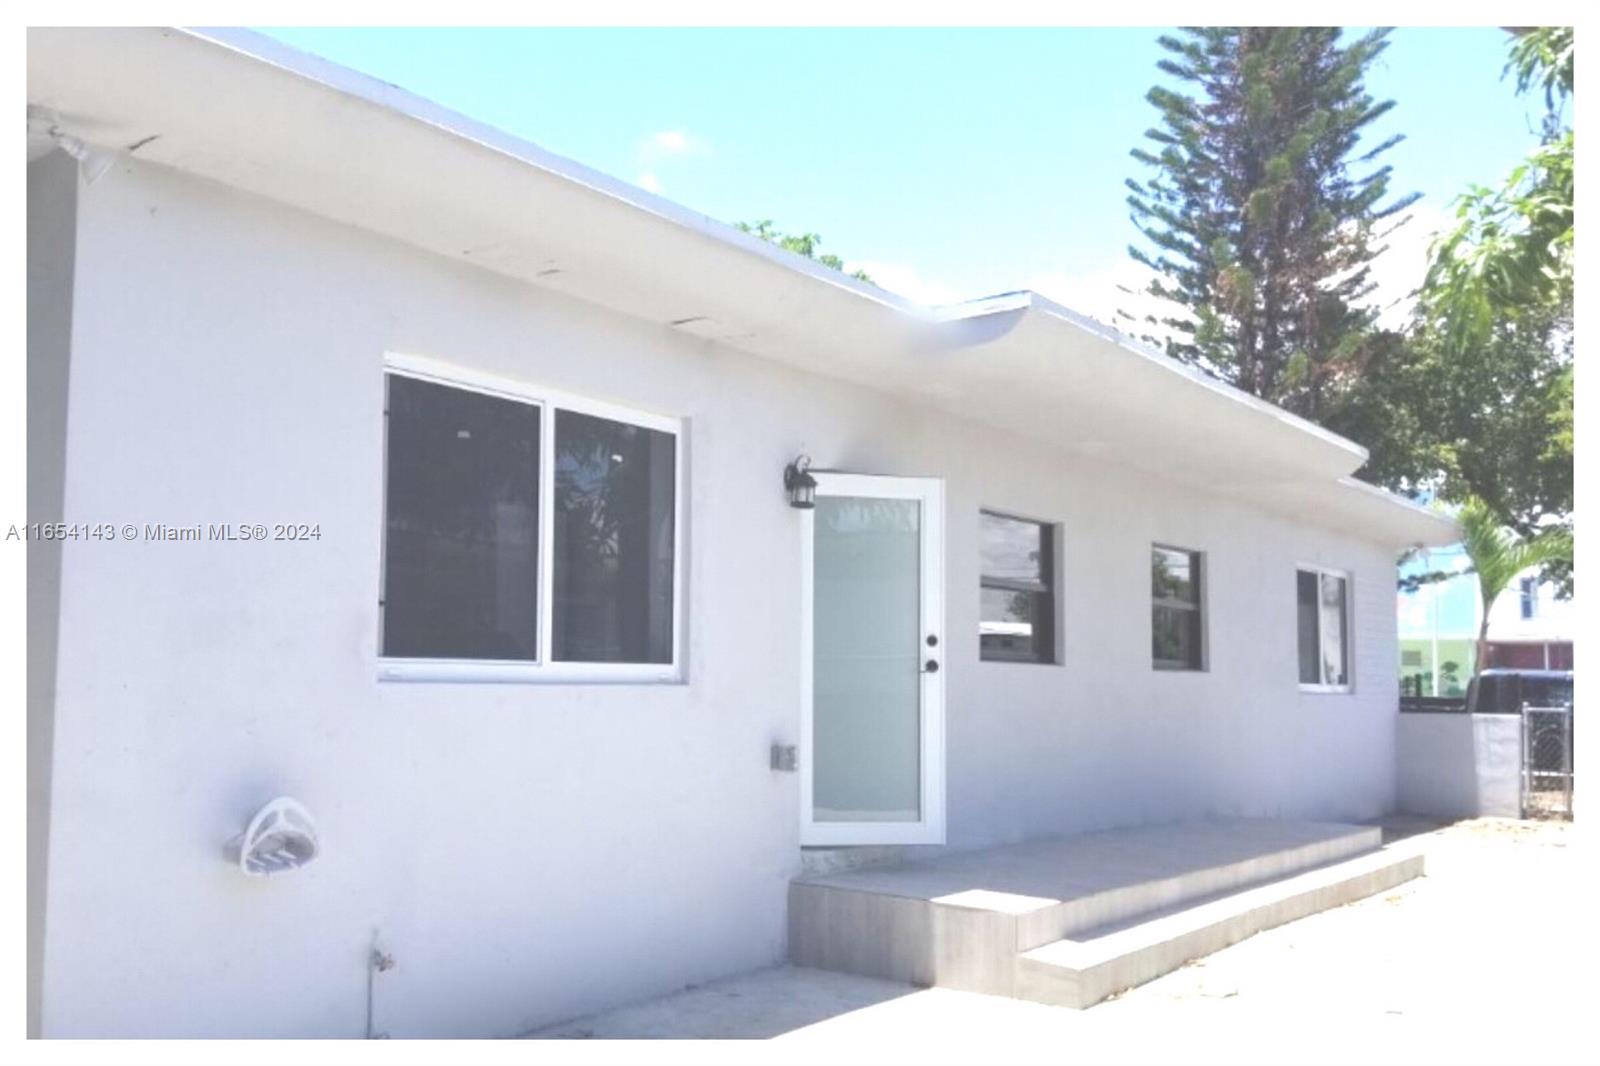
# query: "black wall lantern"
{"points": [[800, 485]]}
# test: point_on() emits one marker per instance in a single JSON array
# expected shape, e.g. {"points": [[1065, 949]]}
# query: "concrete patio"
{"points": [[1071, 920], [1433, 970]]}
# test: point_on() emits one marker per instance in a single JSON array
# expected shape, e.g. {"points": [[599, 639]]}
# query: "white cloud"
{"points": [[1102, 293], [1398, 271], [673, 142], [665, 150]]}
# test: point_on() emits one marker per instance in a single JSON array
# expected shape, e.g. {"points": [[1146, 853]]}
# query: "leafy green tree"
{"points": [[800, 244], [1511, 248], [1258, 226], [1498, 555], [1449, 677], [1489, 386]]}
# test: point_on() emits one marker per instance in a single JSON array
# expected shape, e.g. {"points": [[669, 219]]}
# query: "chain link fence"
{"points": [[1547, 761]]}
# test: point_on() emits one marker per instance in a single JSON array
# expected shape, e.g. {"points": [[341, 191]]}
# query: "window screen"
{"points": [[461, 545]]}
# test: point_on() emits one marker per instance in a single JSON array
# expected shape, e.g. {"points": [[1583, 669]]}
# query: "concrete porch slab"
{"points": [[967, 920]]}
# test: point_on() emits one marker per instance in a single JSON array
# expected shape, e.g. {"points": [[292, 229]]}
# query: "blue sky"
{"points": [[1453, 603], [949, 163]]}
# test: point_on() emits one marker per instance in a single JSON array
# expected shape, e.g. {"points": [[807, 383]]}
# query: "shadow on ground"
{"points": [[754, 1006]]}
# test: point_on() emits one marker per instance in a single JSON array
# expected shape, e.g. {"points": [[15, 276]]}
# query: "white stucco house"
{"points": [[438, 483]]}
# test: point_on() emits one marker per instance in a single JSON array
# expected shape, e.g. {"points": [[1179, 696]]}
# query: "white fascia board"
{"points": [[1424, 526], [1358, 454], [1370, 512]]}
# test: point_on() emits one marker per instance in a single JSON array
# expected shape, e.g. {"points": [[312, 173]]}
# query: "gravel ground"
{"points": [[1488, 958]]}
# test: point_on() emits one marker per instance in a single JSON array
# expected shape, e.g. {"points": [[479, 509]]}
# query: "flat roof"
{"points": [[240, 108]]}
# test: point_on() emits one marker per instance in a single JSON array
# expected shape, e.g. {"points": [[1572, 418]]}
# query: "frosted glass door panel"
{"points": [[866, 686]]}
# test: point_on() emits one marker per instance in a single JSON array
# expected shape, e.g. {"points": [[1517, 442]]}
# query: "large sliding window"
{"points": [[1323, 613], [527, 535], [1017, 600], [1177, 617]]}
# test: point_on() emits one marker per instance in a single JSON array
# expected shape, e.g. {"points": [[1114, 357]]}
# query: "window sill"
{"points": [[1326, 690], [502, 672], [1018, 662]]}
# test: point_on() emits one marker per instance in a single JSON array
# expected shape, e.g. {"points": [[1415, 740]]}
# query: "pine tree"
{"points": [[1260, 232]]}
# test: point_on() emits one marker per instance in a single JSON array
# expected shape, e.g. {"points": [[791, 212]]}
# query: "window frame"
{"points": [[550, 402], [1202, 582], [1528, 598], [1050, 563], [1348, 577]]}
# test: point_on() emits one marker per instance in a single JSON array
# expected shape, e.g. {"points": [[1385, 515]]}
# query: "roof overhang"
{"points": [[242, 109]]}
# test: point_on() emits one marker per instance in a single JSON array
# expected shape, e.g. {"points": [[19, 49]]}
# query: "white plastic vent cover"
{"points": [[282, 836]]}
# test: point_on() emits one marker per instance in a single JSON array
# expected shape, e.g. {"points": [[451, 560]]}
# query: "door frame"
{"points": [[931, 829]]}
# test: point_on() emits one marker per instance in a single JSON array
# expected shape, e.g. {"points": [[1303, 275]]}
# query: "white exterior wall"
{"points": [[1553, 618], [52, 230], [530, 852]]}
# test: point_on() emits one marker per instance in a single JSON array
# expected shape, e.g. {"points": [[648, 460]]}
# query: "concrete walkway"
{"points": [[1489, 958]]}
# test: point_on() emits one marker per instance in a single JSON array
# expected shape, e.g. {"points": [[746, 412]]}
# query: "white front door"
{"points": [[872, 741]]}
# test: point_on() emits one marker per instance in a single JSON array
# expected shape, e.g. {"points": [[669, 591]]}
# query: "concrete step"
{"points": [[1117, 903], [961, 920], [1080, 971]]}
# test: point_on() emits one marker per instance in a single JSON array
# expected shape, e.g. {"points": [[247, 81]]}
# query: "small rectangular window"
{"points": [[1322, 616], [1017, 602], [1177, 620], [1530, 596]]}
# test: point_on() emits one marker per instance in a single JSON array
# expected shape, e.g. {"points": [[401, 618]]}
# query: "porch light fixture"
{"points": [[800, 485]]}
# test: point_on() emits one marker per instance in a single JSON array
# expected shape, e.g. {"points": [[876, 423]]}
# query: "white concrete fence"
{"points": [[1459, 765]]}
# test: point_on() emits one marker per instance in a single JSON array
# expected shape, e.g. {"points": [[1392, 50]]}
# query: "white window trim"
{"points": [[548, 401], [1349, 631]]}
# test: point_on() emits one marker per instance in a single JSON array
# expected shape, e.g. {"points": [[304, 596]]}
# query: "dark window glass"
{"points": [[1176, 643], [613, 541], [461, 544], [1306, 612], [1177, 634], [1016, 620]]}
